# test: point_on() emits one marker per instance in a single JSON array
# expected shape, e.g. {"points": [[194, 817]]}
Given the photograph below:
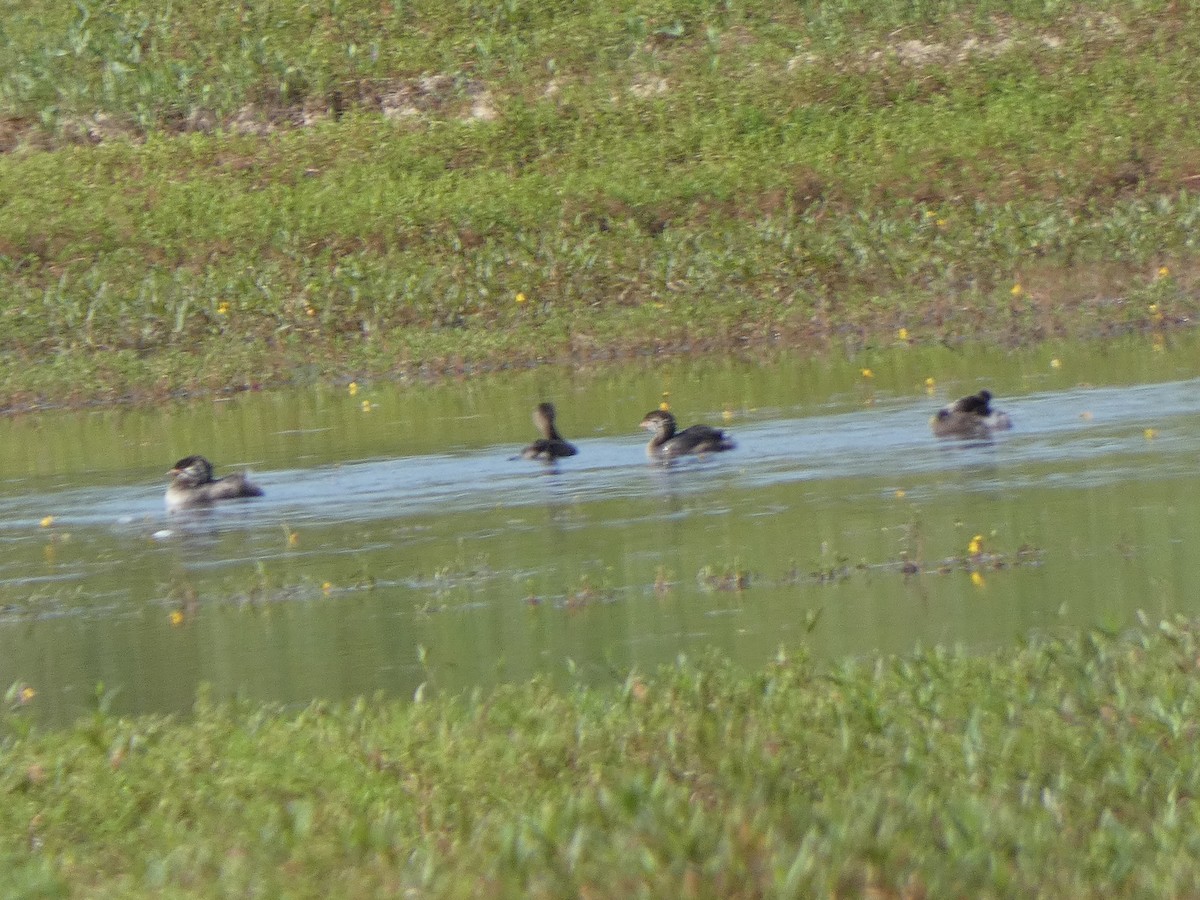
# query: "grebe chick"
{"points": [[551, 445], [668, 444], [970, 418], [192, 484]]}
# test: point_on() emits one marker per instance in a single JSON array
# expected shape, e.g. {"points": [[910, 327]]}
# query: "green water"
{"points": [[398, 545]]}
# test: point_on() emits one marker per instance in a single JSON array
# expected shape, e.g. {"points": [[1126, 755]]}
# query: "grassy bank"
{"points": [[1062, 768], [205, 197]]}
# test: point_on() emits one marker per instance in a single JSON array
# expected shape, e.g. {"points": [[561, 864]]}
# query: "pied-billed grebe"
{"points": [[970, 418], [192, 484], [551, 446], [667, 443]]}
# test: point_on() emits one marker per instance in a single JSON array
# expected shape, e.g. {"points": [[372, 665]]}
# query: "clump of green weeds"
{"points": [[207, 198], [935, 772]]}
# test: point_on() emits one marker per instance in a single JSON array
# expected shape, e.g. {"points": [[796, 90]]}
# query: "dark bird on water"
{"points": [[668, 443], [192, 484], [551, 445], [970, 418]]}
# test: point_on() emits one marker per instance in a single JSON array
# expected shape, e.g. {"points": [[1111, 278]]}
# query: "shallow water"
{"points": [[398, 544]]}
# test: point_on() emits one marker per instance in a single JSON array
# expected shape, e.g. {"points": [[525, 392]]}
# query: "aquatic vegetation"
{"points": [[726, 578], [587, 594], [663, 582], [186, 600], [19, 695], [936, 773]]}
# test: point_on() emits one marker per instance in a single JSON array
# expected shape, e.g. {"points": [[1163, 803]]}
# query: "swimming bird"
{"points": [[970, 418], [192, 484], [667, 443], [551, 445]]}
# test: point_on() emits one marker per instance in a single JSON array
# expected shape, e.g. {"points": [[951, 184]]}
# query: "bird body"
{"points": [[970, 418], [551, 446], [668, 443], [192, 484]]}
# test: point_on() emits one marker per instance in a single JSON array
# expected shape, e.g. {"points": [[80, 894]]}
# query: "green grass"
{"points": [[205, 197], [1065, 767]]}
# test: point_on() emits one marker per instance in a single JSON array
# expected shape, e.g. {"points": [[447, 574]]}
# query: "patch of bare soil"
{"points": [[467, 99]]}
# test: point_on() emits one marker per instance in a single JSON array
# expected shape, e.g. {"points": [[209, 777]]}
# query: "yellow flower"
{"points": [[309, 311], [977, 580], [930, 386], [47, 521], [867, 373], [366, 406], [1150, 434], [353, 388], [520, 297], [929, 214], [941, 223], [176, 618], [1163, 271], [902, 334], [727, 414], [327, 588], [899, 493], [293, 539], [222, 308], [976, 546], [27, 694], [1017, 290], [665, 406], [1056, 363]]}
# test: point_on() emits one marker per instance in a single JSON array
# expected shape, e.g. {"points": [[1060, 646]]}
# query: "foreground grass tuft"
{"points": [[1064, 767]]}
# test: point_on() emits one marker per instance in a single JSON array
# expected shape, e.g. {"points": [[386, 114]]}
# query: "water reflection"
{"points": [[407, 525]]}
